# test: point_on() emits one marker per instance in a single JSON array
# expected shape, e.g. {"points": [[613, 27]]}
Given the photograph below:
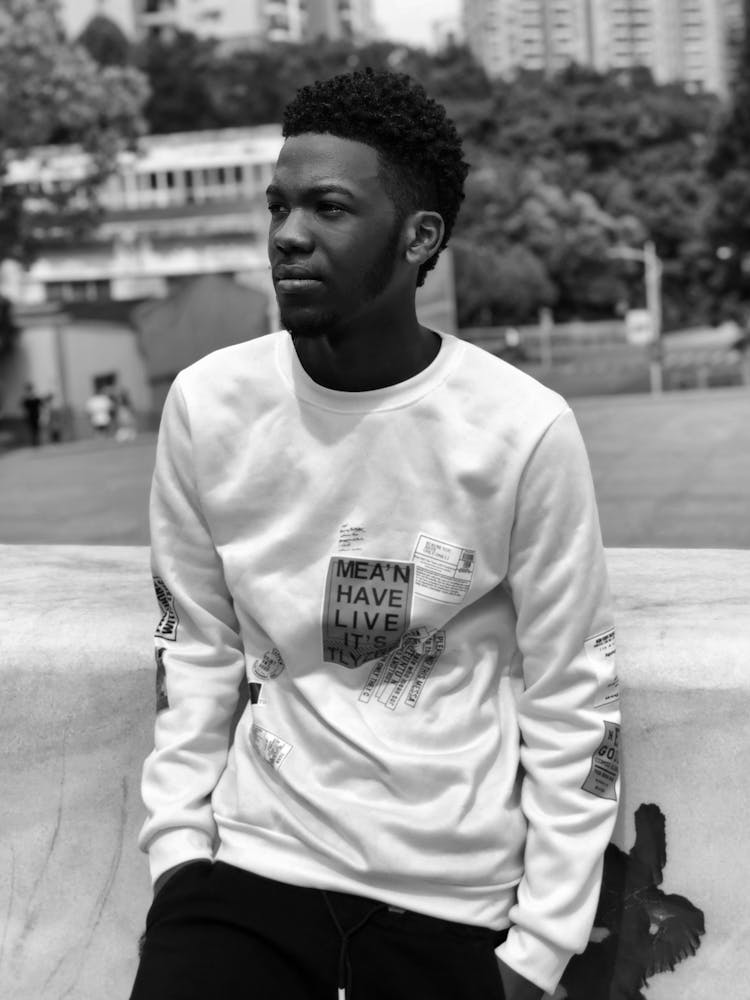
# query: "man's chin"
{"points": [[303, 324]]}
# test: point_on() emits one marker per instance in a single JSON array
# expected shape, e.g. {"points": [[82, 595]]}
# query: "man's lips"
{"points": [[297, 284], [289, 278]]}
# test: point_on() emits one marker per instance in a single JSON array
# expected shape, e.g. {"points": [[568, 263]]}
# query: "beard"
{"points": [[311, 322]]}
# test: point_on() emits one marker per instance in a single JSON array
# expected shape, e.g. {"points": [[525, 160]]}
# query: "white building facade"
{"points": [[686, 40], [185, 205], [76, 14]]}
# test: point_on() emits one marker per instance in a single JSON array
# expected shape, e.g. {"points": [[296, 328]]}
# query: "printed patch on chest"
{"points": [[167, 627], [443, 571], [351, 537], [600, 650], [367, 609], [270, 665], [605, 765], [162, 698], [270, 747], [404, 671]]}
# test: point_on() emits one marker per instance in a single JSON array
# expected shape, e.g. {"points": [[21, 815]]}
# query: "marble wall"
{"points": [[77, 676]]}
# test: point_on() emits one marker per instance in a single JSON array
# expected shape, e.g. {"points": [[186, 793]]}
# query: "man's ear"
{"points": [[424, 235]]}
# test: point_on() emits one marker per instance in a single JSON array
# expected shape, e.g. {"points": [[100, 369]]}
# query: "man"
{"points": [[99, 407], [33, 405], [388, 539]]}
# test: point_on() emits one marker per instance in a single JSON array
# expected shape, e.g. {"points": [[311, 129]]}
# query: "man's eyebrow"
{"points": [[315, 189]]}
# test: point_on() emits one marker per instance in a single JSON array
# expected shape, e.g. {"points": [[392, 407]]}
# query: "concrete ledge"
{"points": [[76, 717]]}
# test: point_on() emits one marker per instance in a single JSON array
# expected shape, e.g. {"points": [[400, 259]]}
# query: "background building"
{"points": [[688, 40], [236, 22], [185, 225], [339, 19], [177, 267], [76, 14]]}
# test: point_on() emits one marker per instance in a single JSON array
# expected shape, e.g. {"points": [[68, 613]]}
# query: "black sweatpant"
{"points": [[216, 932]]}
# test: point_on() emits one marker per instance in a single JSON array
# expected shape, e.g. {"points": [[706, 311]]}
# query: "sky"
{"points": [[411, 20]]}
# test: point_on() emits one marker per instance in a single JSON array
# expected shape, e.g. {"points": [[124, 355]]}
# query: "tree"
{"points": [[105, 42], [196, 85], [52, 91], [728, 225], [179, 70], [494, 288], [565, 233], [643, 167]]}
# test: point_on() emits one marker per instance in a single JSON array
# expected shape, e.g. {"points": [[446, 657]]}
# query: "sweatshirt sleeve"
{"points": [[568, 708], [199, 657]]}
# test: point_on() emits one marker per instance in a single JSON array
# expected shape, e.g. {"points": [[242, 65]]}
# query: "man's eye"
{"points": [[329, 208], [275, 208]]}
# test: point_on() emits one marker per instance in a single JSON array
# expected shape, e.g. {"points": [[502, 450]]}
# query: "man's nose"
{"points": [[293, 234]]}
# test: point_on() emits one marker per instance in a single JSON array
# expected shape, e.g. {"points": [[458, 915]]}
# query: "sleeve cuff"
{"points": [[537, 960], [175, 846]]}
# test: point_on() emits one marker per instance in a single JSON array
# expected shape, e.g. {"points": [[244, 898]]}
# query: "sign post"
{"points": [[652, 277]]}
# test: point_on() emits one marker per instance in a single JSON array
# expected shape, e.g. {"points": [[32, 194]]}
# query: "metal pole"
{"points": [[545, 337], [652, 267]]}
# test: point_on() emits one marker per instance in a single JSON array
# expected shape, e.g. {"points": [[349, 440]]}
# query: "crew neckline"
{"points": [[389, 397]]}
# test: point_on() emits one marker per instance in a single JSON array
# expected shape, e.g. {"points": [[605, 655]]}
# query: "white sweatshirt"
{"points": [[410, 583]]}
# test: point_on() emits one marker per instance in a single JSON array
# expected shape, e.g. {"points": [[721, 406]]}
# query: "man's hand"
{"points": [[516, 987]]}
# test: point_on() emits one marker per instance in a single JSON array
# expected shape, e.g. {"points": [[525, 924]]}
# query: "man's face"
{"points": [[334, 236]]}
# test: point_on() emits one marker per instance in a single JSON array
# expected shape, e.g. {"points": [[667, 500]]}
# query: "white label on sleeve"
{"points": [[270, 747], [167, 627], [600, 650], [605, 765], [444, 570]]}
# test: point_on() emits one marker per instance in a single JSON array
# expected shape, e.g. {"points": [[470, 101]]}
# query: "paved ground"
{"points": [[669, 471]]}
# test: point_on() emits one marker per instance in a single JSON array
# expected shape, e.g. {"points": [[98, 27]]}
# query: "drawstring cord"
{"points": [[345, 967]]}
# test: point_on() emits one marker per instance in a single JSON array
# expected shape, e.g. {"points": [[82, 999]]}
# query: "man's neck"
{"points": [[363, 359]]}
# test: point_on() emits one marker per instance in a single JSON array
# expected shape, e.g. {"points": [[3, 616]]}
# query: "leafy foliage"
{"points": [[729, 168], [640, 931], [105, 42], [601, 179], [559, 178], [53, 92]]}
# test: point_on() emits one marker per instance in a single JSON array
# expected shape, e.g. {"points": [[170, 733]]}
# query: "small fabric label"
{"points": [[269, 665], [351, 538], [270, 747], [401, 676], [605, 765], [255, 693], [167, 627], [162, 699], [444, 570], [600, 650]]}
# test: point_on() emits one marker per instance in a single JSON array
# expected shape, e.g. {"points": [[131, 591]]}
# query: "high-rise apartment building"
{"points": [[506, 35], [226, 20], [76, 14], [339, 19], [229, 21], [688, 40], [258, 20]]}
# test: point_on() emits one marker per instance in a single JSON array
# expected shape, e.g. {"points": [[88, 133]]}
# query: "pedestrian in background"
{"points": [[100, 410], [125, 422], [32, 404]]}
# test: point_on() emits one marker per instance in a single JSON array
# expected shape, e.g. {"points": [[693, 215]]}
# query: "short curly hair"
{"points": [[420, 151]]}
